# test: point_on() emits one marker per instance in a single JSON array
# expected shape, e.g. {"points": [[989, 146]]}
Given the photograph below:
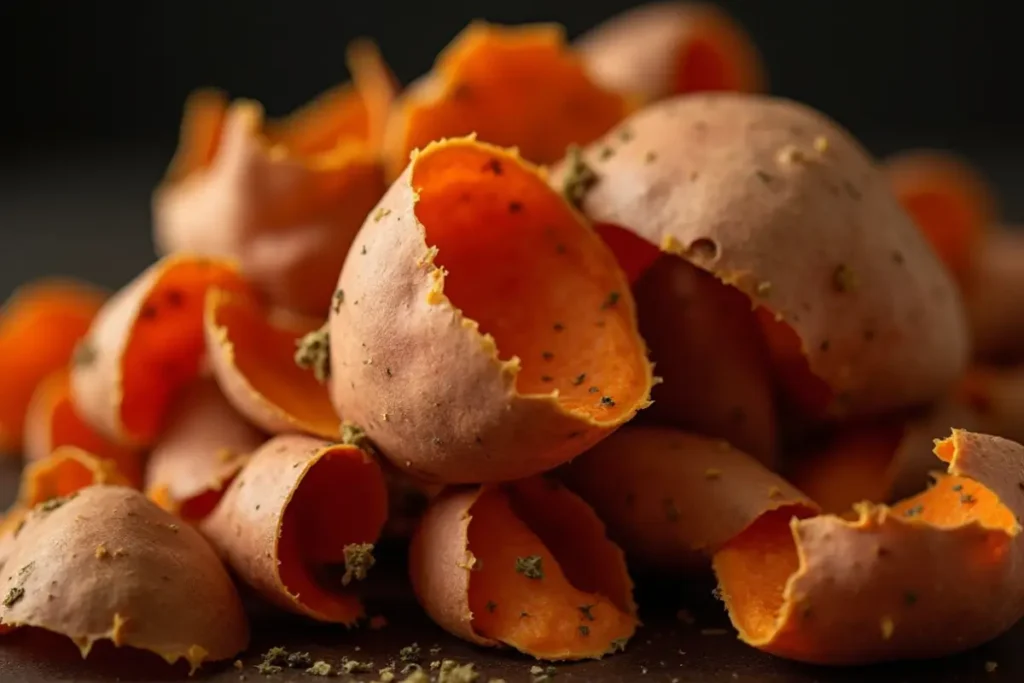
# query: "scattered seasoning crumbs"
{"points": [[298, 660], [888, 627], [313, 352], [417, 676], [619, 645], [843, 279], [351, 666], [611, 301], [967, 498], [319, 668], [453, 672], [491, 606], [410, 653], [386, 675], [380, 213], [763, 288], [580, 378], [265, 669], [579, 177], [584, 630], [494, 166], [608, 401], [530, 566], [358, 561], [435, 649], [712, 473], [991, 666], [914, 511], [238, 664], [542, 675], [910, 598], [354, 435], [84, 354], [585, 611], [593, 390], [13, 596], [53, 503], [958, 487]]}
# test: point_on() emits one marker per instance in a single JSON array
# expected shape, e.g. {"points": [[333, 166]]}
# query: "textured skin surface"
{"points": [[778, 201]]}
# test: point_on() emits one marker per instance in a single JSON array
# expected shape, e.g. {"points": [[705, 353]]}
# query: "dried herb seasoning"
{"points": [[530, 566], [358, 562], [579, 177], [313, 352]]}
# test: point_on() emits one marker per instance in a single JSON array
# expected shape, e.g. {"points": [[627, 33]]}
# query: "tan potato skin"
{"points": [[288, 223], [450, 411], [637, 50], [205, 444], [745, 173], [707, 348], [670, 498], [439, 563], [246, 525], [993, 295], [108, 564], [854, 575]]}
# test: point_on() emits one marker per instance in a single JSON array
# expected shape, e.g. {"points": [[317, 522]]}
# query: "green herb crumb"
{"points": [[410, 653], [313, 352], [320, 668], [453, 672], [580, 378], [584, 630], [358, 561], [579, 177], [15, 594], [585, 611], [611, 301], [530, 567], [298, 660]]}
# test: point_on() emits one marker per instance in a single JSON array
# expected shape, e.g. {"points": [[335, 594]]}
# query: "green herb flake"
{"points": [[380, 214], [611, 301], [53, 503], [579, 177], [319, 668], [352, 666], [358, 561], [585, 611], [15, 594], [265, 669], [453, 672], [298, 660], [584, 630], [607, 401], [411, 653], [313, 352], [593, 390], [531, 567], [580, 378], [958, 487], [914, 511], [619, 645], [843, 279], [967, 498], [84, 354]]}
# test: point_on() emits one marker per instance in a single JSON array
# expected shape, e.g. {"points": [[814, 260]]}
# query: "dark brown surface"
{"points": [[88, 216]]}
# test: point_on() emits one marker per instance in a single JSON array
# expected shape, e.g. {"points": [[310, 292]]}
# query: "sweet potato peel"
{"points": [[253, 361], [950, 201], [992, 296], [205, 445], [524, 564], [53, 421], [39, 327], [534, 343], [934, 574], [145, 346], [512, 86], [84, 567], [669, 48], [300, 513], [671, 499], [284, 198], [741, 185]]}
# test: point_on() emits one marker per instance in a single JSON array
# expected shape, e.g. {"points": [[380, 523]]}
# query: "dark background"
{"points": [[92, 91]]}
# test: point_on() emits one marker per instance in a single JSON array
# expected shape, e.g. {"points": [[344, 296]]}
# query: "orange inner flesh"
{"points": [[954, 501], [853, 468], [805, 389], [951, 223], [66, 428], [565, 309], [201, 130], [166, 343], [265, 356], [61, 476], [337, 116], [340, 500], [199, 506], [635, 255], [704, 66], [512, 87], [38, 333], [540, 616], [753, 569]]}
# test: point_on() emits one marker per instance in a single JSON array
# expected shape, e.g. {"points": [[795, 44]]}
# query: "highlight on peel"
{"points": [[534, 341], [934, 574], [52, 421], [515, 86], [778, 201], [992, 296], [706, 346], [205, 445], [878, 461], [524, 564], [253, 359], [671, 499], [173, 596], [284, 198], [951, 202], [665, 48], [62, 473], [299, 522], [39, 326], [145, 346]]}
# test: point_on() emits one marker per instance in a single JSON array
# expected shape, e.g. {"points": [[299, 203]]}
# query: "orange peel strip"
{"points": [[40, 324], [934, 574], [512, 86], [253, 360], [145, 346], [286, 520], [526, 565]]}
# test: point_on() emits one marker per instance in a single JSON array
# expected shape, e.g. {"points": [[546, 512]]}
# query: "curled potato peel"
{"points": [[934, 574], [534, 344]]}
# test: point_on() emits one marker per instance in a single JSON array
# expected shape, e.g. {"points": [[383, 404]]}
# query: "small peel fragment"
{"points": [[671, 498], [205, 445], [253, 359], [286, 520], [934, 574], [515, 86], [40, 327], [174, 597], [147, 346], [524, 564]]}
